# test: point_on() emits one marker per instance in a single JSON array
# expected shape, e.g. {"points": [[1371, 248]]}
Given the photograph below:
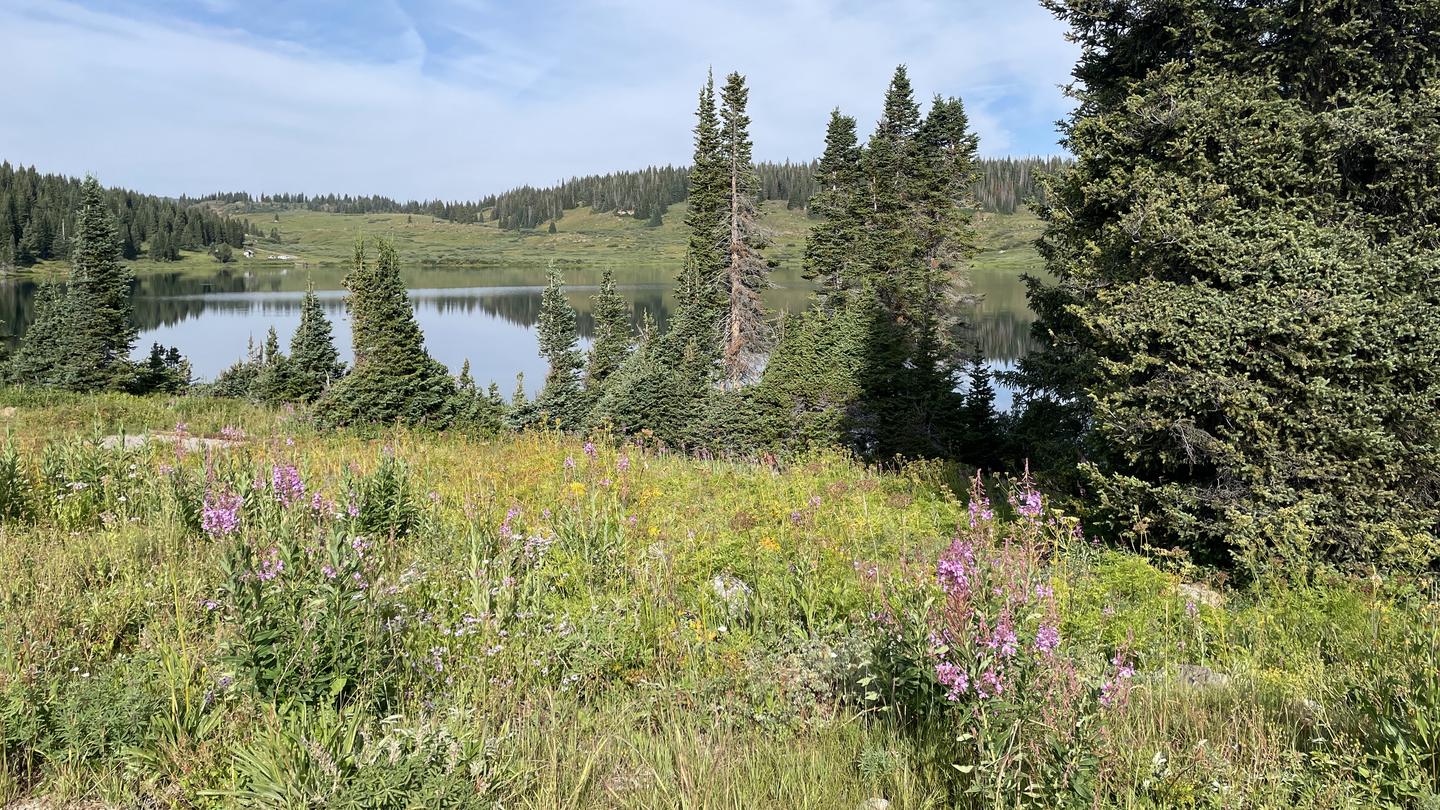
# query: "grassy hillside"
{"points": [[583, 237], [287, 619]]}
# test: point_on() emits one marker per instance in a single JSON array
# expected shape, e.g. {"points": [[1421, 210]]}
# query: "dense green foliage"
{"points": [[38, 220], [394, 379], [1247, 267]]}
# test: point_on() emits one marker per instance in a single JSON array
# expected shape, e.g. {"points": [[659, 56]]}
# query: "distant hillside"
{"points": [[647, 194], [37, 217]]}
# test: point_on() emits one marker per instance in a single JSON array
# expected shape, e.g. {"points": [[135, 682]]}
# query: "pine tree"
{"points": [[561, 398], [97, 332], [316, 364], [1247, 335], [394, 379], [612, 339], [746, 333]]}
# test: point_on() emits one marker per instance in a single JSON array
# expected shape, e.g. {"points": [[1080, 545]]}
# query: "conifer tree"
{"points": [[38, 357], [97, 333], [612, 339], [394, 378], [743, 326], [275, 383], [698, 292], [315, 362], [834, 250], [1246, 336], [561, 398], [521, 413]]}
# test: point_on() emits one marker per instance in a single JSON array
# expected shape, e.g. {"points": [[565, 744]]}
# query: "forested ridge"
{"points": [[38, 219], [1001, 185]]}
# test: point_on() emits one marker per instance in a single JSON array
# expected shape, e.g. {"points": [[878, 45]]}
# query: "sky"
{"points": [[457, 99]]}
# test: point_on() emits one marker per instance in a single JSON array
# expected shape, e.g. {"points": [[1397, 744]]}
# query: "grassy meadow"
{"points": [[583, 238], [244, 612]]}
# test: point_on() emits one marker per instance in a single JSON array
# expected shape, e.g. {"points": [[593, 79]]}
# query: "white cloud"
{"points": [[481, 97]]}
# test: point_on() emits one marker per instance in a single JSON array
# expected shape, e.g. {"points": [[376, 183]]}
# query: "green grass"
{"points": [[583, 238], [605, 670]]}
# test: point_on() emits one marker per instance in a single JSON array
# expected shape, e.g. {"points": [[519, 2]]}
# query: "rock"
{"points": [[131, 442], [733, 592], [1201, 595], [1196, 676], [8, 412], [875, 803]]}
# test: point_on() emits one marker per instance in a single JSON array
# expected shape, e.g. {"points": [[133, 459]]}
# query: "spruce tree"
{"points": [[394, 378], [276, 382], [97, 333], [612, 339], [698, 292], [315, 362], [834, 249], [743, 325], [1246, 332], [561, 398], [38, 357]]}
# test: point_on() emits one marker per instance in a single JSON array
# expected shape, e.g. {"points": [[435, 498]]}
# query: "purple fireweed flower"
{"points": [[505, 528], [220, 514], [1047, 639], [1003, 640], [980, 511], [328, 571], [1191, 609], [569, 463], [990, 684], [590, 449], [955, 567], [1028, 504], [181, 428], [271, 566], [953, 679], [285, 480], [233, 434], [1116, 688], [623, 464]]}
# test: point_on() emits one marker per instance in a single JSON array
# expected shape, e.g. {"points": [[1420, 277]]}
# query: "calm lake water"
{"points": [[484, 314]]}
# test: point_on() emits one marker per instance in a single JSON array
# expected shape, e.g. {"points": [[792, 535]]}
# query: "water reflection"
{"points": [[486, 315]]}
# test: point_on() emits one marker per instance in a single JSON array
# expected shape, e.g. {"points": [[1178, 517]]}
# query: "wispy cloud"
{"points": [[457, 98]]}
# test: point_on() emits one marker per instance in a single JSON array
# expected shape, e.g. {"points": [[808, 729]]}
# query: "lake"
{"points": [[484, 314]]}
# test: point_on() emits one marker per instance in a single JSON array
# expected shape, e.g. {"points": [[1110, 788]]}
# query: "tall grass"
{"points": [[415, 619]]}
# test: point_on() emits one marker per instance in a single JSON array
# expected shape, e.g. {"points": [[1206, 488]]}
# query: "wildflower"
{"points": [[955, 567], [285, 481], [166, 469], [1029, 504], [769, 544], [233, 434], [328, 571], [1047, 639], [590, 450], [577, 489], [181, 428], [1191, 609], [990, 684], [953, 679], [980, 511], [623, 464], [271, 566], [536, 546], [1003, 640], [569, 463], [506, 531], [1116, 689], [220, 514]]}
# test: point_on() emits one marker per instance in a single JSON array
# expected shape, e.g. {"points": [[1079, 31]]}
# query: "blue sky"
{"points": [[460, 98]]}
